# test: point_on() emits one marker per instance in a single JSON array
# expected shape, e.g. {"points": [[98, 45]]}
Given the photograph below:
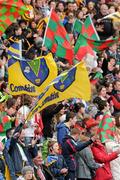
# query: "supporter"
{"points": [[116, 96], [80, 110], [91, 8], [69, 147], [86, 165], [27, 174], [63, 129], [2, 163], [47, 115], [104, 27], [101, 156], [55, 162], [113, 145], [20, 153], [18, 35]]}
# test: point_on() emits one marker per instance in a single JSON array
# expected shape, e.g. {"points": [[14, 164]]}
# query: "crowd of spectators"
{"points": [[62, 142]]}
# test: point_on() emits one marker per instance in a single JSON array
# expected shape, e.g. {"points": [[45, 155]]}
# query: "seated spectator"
{"points": [[27, 174]]}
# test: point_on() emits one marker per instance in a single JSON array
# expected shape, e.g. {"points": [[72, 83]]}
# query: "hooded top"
{"points": [[62, 131]]}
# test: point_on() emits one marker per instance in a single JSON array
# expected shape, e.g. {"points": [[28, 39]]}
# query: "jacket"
{"points": [[47, 115], [69, 148], [62, 131], [101, 156], [111, 146], [30, 152], [55, 163], [86, 163]]}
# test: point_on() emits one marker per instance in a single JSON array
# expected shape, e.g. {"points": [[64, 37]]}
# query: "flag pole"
{"points": [[94, 27], [46, 28]]}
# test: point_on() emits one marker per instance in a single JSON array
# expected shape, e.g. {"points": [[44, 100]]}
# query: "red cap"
{"points": [[91, 123], [78, 127]]}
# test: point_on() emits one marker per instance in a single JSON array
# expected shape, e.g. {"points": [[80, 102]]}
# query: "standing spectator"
{"points": [[69, 148], [101, 156], [63, 129]]}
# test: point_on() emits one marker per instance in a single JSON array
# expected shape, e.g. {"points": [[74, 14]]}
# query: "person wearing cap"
{"points": [[86, 165], [27, 173], [100, 154], [70, 146]]}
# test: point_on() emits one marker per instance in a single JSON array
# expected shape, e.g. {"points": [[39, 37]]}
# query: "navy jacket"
{"points": [[69, 148], [55, 164]]}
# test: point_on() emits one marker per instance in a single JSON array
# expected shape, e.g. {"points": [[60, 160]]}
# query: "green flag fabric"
{"points": [[9, 11], [57, 39]]}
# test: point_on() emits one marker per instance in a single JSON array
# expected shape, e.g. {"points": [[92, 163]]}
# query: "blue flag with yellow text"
{"points": [[70, 84], [29, 76]]}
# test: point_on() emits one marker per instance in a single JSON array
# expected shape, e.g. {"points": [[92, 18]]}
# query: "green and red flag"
{"points": [[82, 48], [5, 123], [88, 30], [100, 45], [9, 11], [77, 26], [106, 129], [57, 40]]}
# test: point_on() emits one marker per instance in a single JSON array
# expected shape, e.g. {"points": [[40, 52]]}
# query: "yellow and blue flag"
{"points": [[71, 84], [29, 76]]}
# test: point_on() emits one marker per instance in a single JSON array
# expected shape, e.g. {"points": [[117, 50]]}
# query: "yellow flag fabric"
{"points": [[71, 84], [30, 77], [42, 22], [114, 16]]}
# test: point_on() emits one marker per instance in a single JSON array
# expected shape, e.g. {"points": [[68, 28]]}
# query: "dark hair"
{"points": [[102, 104], [100, 88], [26, 100], [69, 115], [115, 82], [3, 86], [78, 106], [117, 116], [10, 102]]}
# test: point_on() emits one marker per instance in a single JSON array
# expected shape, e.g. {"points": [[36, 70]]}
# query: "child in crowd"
{"points": [[55, 162]]}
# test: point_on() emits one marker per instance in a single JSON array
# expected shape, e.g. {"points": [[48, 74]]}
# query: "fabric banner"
{"points": [[70, 84], [30, 77], [9, 11]]}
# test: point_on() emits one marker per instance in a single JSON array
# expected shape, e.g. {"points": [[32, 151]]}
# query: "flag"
{"points": [[77, 26], [5, 123], [29, 76], [106, 129], [100, 45], [88, 30], [114, 16], [82, 48], [70, 84], [9, 11], [57, 40]]}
